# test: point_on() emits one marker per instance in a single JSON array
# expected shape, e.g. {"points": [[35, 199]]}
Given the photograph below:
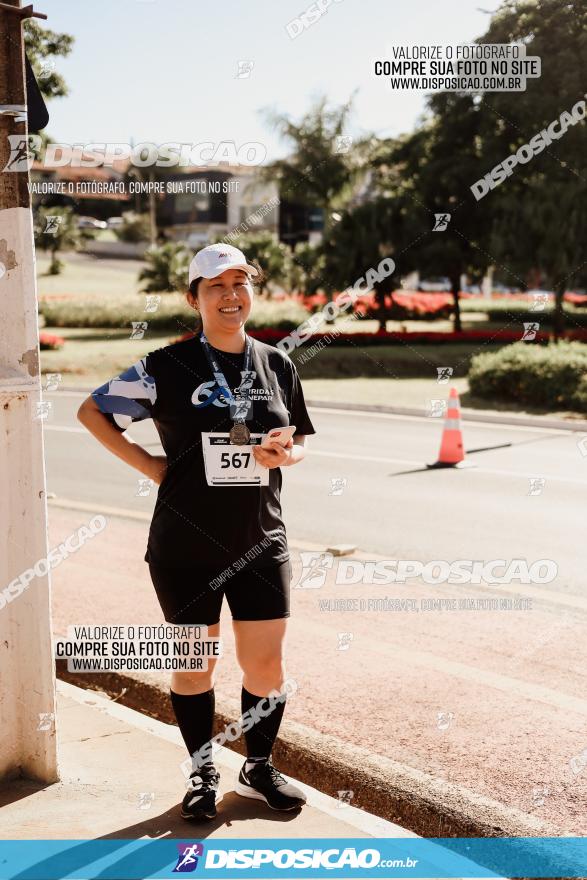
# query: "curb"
{"points": [[467, 414], [420, 802]]}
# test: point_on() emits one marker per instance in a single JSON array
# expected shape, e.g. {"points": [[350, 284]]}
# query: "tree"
{"points": [[306, 269], [42, 46], [428, 175], [359, 241], [271, 255], [55, 229], [540, 210], [134, 227], [323, 162], [166, 269]]}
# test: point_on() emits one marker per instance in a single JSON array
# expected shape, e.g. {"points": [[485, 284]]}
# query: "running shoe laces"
{"points": [[203, 781], [276, 778]]}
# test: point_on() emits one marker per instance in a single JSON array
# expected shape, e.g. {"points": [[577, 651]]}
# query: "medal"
{"points": [[239, 434], [240, 406]]}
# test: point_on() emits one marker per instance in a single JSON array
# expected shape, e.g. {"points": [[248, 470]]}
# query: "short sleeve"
{"points": [[298, 413], [129, 397]]}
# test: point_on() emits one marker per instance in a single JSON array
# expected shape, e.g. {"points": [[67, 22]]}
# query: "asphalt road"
{"points": [[488, 701], [389, 504]]}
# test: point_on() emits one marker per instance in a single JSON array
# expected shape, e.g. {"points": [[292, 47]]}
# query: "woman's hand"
{"points": [[156, 468], [274, 455]]}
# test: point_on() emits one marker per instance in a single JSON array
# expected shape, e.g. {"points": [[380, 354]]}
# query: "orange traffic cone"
{"points": [[451, 453]]}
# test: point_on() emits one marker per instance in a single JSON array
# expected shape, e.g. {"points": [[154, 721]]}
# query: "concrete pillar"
{"points": [[27, 677]]}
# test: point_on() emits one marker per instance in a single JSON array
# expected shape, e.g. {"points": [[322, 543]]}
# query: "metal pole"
{"points": [[152, 212], [27, 674]]}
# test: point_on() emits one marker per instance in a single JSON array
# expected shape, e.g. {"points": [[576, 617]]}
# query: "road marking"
{"points": [[420, 464], [404, 656], [412, 418], [98, 507], [353, 413], [506, 684], [69, 429], [409, 462], [356, 457], [534, 592]]}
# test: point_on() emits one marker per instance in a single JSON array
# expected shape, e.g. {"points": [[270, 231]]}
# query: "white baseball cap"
{"points": [[215, 259]]}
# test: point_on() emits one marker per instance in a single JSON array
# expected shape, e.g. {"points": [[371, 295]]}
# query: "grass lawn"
{"points": [[104, 352], [90, 357], [84, 276], [400, 361], [400, 375]]}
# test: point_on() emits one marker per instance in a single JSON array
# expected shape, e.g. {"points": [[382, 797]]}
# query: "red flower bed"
{"points": [[577, 299], [271, 336], [422, 302], [311, 302], [49, 342], [406, 303]]}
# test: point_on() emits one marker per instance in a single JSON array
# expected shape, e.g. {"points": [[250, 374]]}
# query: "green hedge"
{"points": [[173, 313], [552, 376]]}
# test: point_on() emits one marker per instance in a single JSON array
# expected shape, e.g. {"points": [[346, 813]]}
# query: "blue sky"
{"points": [[165, 70]]}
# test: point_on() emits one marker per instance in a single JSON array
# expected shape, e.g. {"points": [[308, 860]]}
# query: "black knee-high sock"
{"points": [[195, 718], [262, 735]]}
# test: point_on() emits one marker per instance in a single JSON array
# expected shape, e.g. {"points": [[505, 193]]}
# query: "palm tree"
{"points": [[55, 230], [323, 163], [167, 268]]}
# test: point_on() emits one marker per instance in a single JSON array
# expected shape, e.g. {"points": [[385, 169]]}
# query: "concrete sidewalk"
{"points": [[121, 778]]}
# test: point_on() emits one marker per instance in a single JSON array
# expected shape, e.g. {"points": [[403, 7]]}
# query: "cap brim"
{"points": [[250, 270]]}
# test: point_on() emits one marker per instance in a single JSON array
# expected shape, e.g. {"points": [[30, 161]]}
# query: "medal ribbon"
{"points": [[247, 381]]}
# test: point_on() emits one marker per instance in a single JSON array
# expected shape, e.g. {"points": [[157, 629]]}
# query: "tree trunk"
{"points": [[55, 264], [558, 318], [455, 282], [381, 309]]}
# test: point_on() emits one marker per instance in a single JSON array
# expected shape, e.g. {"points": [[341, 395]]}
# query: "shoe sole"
{"points": [[190, 818], [247, 792]]}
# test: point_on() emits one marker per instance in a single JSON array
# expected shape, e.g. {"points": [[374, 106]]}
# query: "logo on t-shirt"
{"points": [[208, 393]]}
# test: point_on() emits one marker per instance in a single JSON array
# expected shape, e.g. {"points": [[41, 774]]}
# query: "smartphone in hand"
{"points": [[281, 435]]}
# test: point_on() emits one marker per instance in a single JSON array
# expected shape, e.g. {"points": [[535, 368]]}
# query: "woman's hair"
{"points": [[193, 289]]}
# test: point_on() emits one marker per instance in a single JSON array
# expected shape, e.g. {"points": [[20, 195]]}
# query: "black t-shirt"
{"points": [[194, 523]]}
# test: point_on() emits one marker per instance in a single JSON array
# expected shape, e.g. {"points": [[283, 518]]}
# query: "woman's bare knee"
{"points": [[192, 682], [262, 677]]}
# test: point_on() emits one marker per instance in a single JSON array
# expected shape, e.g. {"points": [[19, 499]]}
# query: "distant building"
{"points": [[200, 203], [226, 199], [100, 206]]}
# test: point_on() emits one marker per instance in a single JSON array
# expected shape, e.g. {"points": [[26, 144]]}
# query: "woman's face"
{"points": [[224, 302]]}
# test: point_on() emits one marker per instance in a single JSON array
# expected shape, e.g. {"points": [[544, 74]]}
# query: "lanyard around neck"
{"points": [[219, 375]]}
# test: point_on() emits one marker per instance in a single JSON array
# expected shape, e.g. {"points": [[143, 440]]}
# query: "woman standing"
{"points": [[217, 527]]}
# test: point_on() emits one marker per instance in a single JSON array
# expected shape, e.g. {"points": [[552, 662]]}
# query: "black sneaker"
{"points": [[264, 783], [200, 799]]}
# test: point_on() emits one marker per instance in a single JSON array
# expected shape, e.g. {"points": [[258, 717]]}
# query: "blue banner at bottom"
{"points": [[369, 857]]}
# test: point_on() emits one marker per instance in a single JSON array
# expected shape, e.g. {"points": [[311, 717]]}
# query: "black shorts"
{"points": [[194, 596]]}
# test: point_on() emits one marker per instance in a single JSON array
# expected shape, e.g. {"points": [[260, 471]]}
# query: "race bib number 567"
{"points": [[227, 464]]}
